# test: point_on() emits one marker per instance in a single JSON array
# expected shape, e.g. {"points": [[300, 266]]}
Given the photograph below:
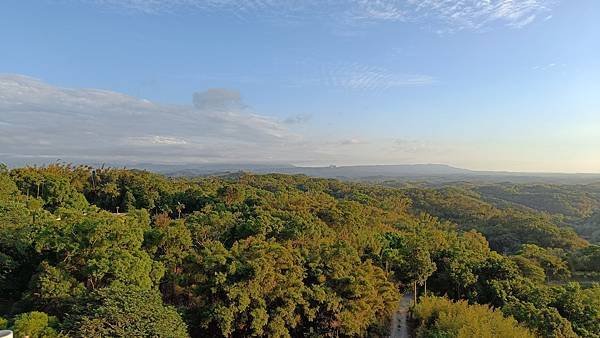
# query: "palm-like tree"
{"points": [[179, 208]]}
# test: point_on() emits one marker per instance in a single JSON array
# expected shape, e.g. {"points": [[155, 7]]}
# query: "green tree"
{"points": [[439, 317], [35, 325], [254, 289], [586, 259], [127, 311], [345, 295], [555, 267], [97, 248], [52, 184], [581, 307], [545, 321]]}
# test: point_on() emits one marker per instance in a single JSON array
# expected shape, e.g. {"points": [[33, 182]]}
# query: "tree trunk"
{"points": [[415, 292]]}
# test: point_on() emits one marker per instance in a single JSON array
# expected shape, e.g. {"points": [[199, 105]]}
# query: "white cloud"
{"points": [[378, 10], [474, 14], [524, 22], [448, 14], [548, 66], [40, 120]]}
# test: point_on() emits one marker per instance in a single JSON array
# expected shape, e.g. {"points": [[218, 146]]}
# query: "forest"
{"points": [[109, 252]]}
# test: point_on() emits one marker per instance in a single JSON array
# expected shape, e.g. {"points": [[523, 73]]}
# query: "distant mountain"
{"points": [[347, 172], [211, 169], [366, 171], [425, 173], [432, 173]]}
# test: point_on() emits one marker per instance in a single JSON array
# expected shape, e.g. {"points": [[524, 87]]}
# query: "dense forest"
{"points": [[104, 252]]}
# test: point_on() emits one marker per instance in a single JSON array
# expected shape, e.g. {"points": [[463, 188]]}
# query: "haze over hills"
{"points": [[333, 171], [432, 173], [429, 172], [410, 172]]}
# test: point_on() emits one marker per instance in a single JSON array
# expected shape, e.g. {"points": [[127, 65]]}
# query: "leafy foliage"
{"points": [[35, 325], [439, 317], [128, 311], [115, 252]]}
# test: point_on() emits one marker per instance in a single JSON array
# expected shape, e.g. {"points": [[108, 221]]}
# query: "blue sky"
{"points": [[497, 84]]}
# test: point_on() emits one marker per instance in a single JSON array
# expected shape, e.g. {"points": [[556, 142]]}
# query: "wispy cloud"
{"points": [[377, 10], [357, 76], [475, 14], [448, 14], [548, 66]]}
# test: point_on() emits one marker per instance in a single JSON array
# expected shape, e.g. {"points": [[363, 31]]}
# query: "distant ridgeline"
{"points": [[101, 252], [428, 173]]}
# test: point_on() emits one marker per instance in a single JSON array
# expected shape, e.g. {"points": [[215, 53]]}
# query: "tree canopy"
{"points": [[88, 252]]}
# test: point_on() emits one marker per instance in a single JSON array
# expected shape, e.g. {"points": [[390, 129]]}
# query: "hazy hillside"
{"points": [[429, 173]]}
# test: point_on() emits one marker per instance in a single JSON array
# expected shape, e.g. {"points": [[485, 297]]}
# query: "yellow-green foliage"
{"points": [[35, 325], [114, 252], [440, 317]]}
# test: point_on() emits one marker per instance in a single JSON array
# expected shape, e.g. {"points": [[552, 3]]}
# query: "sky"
{"points": [[478, 84]]}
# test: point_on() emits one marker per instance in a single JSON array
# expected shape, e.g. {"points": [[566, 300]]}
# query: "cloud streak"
{"points": [[357, 76], [449, 14]]}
